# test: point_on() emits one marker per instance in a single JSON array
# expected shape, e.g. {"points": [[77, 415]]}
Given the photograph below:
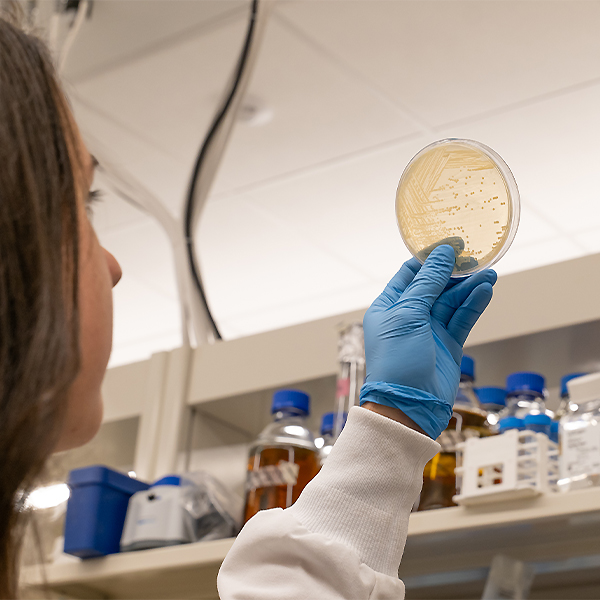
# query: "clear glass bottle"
{"points": [[328, 427], [493, 401], [508, 423], [468, 420], [538, 423], [563, 407], [284, 458], [580, 436], [526, 395], [351, 373]]}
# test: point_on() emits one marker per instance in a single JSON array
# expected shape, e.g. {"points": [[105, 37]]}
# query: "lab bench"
{"points": [[200, 408]]}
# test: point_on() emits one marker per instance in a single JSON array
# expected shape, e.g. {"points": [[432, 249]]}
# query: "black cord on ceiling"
{"points": [[197, 172]]}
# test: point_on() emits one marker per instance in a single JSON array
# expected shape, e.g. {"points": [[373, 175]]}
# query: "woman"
{"points": [[55, 284], [345, 535]]}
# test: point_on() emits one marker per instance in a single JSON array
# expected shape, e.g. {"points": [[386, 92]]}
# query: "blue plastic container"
{"points": [[96, 510]]}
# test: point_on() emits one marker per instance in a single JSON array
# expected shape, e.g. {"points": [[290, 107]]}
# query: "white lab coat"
{"points": [[344, 537]]}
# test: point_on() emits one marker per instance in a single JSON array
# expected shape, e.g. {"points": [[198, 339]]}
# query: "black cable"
{"points": [[197, 172]]}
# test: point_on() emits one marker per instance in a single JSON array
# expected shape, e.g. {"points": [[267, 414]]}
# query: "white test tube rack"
{"points": [[512, 465]]}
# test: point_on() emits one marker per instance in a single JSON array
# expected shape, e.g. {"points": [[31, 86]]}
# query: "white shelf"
{"points": [[443, 545], [558, 296], [188, 571]]}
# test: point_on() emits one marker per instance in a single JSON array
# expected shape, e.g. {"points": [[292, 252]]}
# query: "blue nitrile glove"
{"points": [[414, 334]]}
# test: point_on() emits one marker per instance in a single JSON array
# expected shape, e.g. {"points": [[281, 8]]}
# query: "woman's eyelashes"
{"points": [[94, 196]]}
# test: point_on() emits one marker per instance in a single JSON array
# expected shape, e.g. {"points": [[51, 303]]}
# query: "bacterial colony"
{"points": [[454, 194]]}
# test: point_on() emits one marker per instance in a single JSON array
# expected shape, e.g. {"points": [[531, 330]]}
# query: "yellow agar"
{"points": [[455, 194]]}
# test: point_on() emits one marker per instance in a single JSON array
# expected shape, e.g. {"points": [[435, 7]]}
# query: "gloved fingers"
{"points": [[466, 316], [398, 283], [432, 278], [451, 299]]}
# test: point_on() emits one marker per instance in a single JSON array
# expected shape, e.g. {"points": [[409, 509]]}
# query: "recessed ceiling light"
{"points": [[254, 112]]}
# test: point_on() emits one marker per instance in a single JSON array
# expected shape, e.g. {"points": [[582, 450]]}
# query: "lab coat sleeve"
{"points": [[344, 537]]}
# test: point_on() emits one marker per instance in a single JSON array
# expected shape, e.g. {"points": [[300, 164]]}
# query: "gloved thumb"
{"points": [[432, 278]]}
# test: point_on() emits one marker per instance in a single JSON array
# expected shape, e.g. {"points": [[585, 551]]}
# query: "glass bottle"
{"points": [[538, 423], [468, 420], [493, 401], [508, 423], [351, 373], [284, 458], [326, 441], [580, 436], [563, 407], [526, 395]]}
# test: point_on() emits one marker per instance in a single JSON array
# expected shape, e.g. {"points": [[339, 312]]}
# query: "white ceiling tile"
{"points": [[320, 112], [450, 60], [140, 313], [348, 209], [308, 310], [144, 251], [137, 27], [166, 177], [552, 149], [249, 262], [169, 98], [533, 226], [522, 257], [590, 240]]}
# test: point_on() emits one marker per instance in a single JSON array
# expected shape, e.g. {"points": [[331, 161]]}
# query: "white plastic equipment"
{"points": [[156, 517], [513, 465]]}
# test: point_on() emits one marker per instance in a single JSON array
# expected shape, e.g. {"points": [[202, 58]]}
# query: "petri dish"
{"points": [[458, 192]]}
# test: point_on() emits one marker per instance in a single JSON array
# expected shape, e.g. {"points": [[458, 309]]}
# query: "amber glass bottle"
{"points": [[284, 458], [468, 420]]}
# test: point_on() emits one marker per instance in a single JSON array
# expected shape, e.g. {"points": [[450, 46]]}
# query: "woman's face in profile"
{"points": [[99, 272]]}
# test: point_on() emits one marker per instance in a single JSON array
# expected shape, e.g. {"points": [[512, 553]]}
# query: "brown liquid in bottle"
{"points": [[279, 496], [439, 481]]}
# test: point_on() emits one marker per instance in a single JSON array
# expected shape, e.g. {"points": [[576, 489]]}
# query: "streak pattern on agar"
{"points": [[429, 212]]}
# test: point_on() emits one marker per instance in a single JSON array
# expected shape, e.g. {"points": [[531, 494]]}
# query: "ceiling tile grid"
{"points": [[450, 60], [301, 223]]}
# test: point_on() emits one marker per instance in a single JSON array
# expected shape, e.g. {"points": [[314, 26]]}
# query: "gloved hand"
{"points": [[414, 334]]}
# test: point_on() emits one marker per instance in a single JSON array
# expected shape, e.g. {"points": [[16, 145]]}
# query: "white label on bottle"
{"points": [[284, 473], [580, 451]]}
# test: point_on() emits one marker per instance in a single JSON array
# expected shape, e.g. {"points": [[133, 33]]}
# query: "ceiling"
{"points": [[300, 223]]}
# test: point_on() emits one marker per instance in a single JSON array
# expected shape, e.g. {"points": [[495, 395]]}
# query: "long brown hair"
{"points": [[39, 330]]}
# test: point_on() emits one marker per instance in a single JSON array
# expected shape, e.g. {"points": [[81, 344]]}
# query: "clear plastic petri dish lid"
{"points": [[458, 192]]}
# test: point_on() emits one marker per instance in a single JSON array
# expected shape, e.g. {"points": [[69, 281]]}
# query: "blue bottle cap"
{"points": [[168, 480], [563, 382], [525, 382], [328, 422], [537, 419], [491, 395], [554, 427], [510, 423], [283, 399], [467, 366]]}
